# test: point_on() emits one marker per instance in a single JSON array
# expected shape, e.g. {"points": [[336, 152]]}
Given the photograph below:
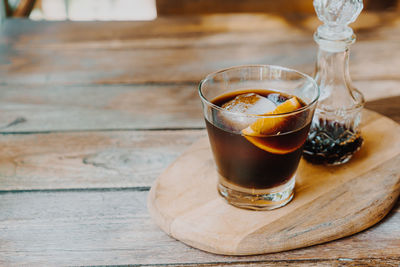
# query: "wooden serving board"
{"points": [[329, 202]]}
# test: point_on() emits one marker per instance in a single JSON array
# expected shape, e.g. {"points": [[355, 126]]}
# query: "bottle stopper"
{"points": [[335, 34]]}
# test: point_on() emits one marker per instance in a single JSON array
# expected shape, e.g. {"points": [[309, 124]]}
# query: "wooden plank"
{"points": [[389, 107], [113, 227], [185, 49], [108, 159], [36, 108], [177, 64], [60, 108], [168, 31], [89, 159], [311, 263], [315, 263], [183, 30]]}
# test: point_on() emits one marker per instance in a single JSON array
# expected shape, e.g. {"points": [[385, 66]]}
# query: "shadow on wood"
{"points": [[387, 106]]}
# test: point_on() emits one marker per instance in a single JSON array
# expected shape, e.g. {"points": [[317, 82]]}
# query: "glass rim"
{"points": [[307, 106]]}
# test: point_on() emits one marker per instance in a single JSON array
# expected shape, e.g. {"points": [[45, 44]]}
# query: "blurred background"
{"points": [[150, 9]]}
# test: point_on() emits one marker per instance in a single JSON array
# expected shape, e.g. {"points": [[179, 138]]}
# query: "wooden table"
{"points": [[92, 112]]}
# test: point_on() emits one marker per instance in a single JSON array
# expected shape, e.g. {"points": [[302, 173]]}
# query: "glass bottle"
{"points": [[335, 134]]}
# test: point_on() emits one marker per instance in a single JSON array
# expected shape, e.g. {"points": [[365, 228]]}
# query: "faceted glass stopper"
{"points": [[336, 15]]}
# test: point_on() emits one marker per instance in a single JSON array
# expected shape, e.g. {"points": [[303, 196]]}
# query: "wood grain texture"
{"points": [[389, 107], [89, 159], [79, 198], [71, 108], [108, 159], [47, 108], [329, 203], [114, 227], [185, 49]]}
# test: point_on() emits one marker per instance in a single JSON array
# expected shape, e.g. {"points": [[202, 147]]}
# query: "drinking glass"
{"points": [[257, 171]]}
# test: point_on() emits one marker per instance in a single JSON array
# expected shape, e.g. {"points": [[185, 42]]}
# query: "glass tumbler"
{"points": [[257, 155]]}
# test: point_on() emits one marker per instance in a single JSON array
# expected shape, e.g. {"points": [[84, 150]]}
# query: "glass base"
{"points": [[257, 199]]}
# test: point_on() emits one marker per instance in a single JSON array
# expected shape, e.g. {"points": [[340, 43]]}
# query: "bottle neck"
{"points": [[332, 70], [333, 77], [332, 67]]}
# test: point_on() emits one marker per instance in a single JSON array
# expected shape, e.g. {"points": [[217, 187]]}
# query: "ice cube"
{"points": [[250, 103], [247, 104], [277, 98]]}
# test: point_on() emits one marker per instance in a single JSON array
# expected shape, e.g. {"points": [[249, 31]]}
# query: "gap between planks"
{"points": [[59, 108], [100, 189], [298, 263], [101, 228], [101, 130], [89, 161]]}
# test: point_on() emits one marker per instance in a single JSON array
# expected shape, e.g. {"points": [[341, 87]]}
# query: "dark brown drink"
{"points": [[257, 162], [257, 135]]}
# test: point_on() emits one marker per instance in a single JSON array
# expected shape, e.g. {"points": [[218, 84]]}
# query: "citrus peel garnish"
{"points": [[263, 146], [271, 125], [266, 126]]}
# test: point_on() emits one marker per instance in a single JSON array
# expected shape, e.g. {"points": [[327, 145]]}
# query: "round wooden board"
{"points": [[329, 202]]}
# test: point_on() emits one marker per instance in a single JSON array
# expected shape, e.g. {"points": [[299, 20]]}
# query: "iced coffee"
{"points": [[257, 134]]}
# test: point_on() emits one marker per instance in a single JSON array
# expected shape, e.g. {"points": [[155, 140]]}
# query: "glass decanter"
{"points": [[335, 134]]}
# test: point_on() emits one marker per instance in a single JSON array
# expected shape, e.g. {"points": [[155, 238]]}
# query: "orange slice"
{"points": [[270, 149], [266, 126]]}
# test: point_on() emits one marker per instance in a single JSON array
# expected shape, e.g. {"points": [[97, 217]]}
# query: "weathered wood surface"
{"points": [[71, 91], [113, 227], [51, 72], [129, 107], [98, 159], [182, 49], [182, 63], [81, 160], [103, 107]]}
